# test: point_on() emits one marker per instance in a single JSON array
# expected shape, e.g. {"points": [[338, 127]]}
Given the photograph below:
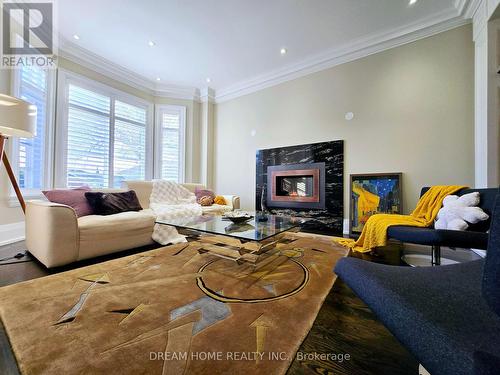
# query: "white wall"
{"points": [[413, 109], [486, 36]]}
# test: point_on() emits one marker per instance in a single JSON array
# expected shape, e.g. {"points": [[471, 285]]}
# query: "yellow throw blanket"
{"points": [[374, 232]]}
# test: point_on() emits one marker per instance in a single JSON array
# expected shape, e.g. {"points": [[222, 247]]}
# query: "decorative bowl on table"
{"points": [[237, 217]]}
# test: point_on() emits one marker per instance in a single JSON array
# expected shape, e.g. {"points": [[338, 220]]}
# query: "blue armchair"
{"points": [[474, 237], [448, 317]]}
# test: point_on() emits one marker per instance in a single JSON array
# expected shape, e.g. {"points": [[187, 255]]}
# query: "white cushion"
{"points": [[106, 234], [216, 209], [457, 212]]}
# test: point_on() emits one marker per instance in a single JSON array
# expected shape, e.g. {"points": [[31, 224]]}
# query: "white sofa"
{"points": [[55, 236]]}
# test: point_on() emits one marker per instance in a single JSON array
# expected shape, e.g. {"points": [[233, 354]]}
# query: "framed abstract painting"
{"points": [[371, 194]]}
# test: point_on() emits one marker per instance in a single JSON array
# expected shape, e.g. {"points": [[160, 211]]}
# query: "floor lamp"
{"points": [[17, 119]]}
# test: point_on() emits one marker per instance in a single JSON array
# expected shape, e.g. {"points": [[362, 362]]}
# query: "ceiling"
{"points": [[236, 43]]}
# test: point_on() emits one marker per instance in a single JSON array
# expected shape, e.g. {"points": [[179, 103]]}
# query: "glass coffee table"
{"points": [[243, 242]]}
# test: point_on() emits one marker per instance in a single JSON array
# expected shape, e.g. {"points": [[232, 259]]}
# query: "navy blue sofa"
{"points": [[448, 317], [474, 237]]}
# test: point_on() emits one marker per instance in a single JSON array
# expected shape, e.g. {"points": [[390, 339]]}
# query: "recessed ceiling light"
{"points": [[412, 2], [208, 80], [283, 51], [151, 43], [158, 79], [76, 37]]}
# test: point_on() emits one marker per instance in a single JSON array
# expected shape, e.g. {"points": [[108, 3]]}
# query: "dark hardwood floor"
{"points": [[344, 326]]}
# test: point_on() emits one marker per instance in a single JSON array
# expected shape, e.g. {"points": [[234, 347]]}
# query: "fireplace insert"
{"points": [[296, 186]]}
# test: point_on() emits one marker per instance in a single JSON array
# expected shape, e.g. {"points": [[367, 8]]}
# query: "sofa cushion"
{"points": [[192, 186], [201, 192], [113, 203], [486, 203], [215, 209], [101, 235], [219, 199], [142, 189], [75, 198]]}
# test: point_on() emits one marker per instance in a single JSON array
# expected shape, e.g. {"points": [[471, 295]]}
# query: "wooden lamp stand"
{"points": [[10, 173]]}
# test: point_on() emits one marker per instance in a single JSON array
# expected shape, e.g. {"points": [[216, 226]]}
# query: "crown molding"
{"points": [[363, 47], [177, 92], [468, 8], [460, 5], [98, 64], [207, 95], [460, 15]]}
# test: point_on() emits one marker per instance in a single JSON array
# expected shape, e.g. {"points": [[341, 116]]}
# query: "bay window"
{"points": [[129, 153], [170, 140], [31, 157], [104, 135]]}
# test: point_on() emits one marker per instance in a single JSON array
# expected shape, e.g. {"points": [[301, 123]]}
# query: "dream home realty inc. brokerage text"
{"points": [[247, 356]]}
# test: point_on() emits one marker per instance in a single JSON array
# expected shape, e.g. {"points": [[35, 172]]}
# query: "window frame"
{"points": [[181, 111], [65, 78], [13, 152]]}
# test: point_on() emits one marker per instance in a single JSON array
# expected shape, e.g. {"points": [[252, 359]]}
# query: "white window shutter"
{"points": [[88, 138], [106, 139], [30, 163], [170, 142]]}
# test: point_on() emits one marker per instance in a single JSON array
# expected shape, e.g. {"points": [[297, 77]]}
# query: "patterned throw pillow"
{"points": [[206, 201], [75, 198], [202, 194]]}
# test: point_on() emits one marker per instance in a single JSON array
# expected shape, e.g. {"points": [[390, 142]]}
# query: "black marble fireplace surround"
{"points": [[325, 214]]}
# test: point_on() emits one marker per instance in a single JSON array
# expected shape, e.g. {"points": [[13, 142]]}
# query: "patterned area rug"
{"points": [[174, 310]]}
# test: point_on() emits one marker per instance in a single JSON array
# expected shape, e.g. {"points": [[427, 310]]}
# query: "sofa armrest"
{"points": [[52, 233], [233, 201]]}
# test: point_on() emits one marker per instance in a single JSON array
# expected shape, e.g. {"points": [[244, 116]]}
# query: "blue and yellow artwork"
{"points": [[373, 194]]}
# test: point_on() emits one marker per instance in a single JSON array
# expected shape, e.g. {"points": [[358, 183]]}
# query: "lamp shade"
{"points": [[17, 117]]}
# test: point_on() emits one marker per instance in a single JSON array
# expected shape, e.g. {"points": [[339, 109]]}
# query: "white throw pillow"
{"points": [[457, 212]]}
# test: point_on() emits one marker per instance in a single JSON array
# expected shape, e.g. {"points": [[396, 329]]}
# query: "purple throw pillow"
{"points": [[200, 193], [75, 198]]}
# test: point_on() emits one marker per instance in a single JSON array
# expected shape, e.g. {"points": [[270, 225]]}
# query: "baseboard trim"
{"points": [[346, 226], [10, 233]]}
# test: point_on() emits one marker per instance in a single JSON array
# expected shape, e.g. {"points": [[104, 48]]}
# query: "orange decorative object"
{"points": [[219, 199]]}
